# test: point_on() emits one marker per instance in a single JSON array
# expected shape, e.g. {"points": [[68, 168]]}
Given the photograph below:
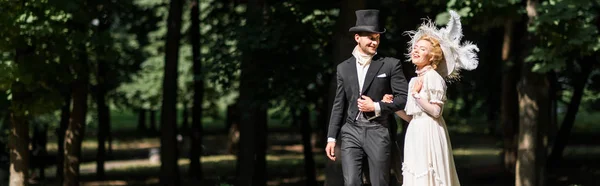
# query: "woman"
{"points": [[438, 56]]}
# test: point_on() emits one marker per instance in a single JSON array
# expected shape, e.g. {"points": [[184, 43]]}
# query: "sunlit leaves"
{"points": [[567, 32], [565, 29], [53, 36], [484, 14], [39, 31]]}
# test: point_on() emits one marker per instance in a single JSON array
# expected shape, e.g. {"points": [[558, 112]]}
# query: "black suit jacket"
{"points": [[375, 87]]}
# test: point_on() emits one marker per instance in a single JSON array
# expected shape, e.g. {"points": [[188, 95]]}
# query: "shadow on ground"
{"points": [[477, 158]]}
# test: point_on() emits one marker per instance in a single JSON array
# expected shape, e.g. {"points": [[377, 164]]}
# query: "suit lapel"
{"points": [[373, 69], [351, 66]]}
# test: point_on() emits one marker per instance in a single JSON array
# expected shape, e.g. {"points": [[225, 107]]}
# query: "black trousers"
{"points": [[365, 140]]}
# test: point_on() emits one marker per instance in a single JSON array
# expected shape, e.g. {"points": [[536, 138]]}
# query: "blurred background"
{"points": [[238, 92]]}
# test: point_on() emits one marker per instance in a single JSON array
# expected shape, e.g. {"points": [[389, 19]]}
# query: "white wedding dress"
{"points": [[428, 159]]}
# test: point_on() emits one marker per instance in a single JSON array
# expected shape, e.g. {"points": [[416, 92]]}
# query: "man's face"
{"points": [[367, 42]]}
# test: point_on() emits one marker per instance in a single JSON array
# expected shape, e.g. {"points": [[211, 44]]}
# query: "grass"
{"points": [[281, 167], [118, 144], [476, 157], [585, 121], [122, 120], [126, 120], [474, 153], [216, 167]]}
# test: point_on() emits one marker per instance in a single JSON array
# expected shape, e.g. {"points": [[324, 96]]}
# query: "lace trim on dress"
{"points": [[421, 72], [431, 170]]}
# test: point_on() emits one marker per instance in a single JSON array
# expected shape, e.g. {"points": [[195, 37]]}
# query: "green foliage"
{"points": [[298, 49], [569, 38], [293, 42], [143, 90], [483, 14], [119, 43], [296, 39], [219, 40], [47, 41], [567, 30], [34, 55]]}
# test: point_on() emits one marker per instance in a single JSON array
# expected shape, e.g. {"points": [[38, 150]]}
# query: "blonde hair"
{"points": [[436, 51]]}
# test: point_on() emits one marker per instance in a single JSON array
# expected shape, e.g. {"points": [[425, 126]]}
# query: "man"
{"points": [[363, 80]]}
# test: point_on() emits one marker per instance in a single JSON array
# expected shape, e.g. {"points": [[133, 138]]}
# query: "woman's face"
{"points": [[420, 53]]}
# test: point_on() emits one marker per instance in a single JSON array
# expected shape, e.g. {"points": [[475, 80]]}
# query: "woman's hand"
{"points": [[418, 85], [402, 114], [388, 98]]}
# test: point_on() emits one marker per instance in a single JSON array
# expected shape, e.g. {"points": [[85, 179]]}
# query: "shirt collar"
{"points": [[361, 58]]}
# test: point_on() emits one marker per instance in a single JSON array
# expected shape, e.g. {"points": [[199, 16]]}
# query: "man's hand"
{"points": [[330, 150], [365, 104]]}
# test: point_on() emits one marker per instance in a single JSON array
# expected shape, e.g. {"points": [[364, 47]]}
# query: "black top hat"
{"points": [[367, 21]]}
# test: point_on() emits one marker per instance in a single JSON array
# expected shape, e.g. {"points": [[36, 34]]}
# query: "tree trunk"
{"points": [[44, 151], [309, 161], [321, 106], [342, 49], [4, 150], [103, 119], [19, 147], [185, 123], [260, 173], [197, 131], [494, 85], [18, 139], [153, 121], [509, 113], [251, 161], [253, 127], [103, 110], [168, 152], [141, 126], [465, 112], [534, 113], [60, 133], [492, 116], [108, 132], [553, 91], [562, 138], [509, 120], [76, 129], [251, 166], [39, 152], [233, 128]]}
